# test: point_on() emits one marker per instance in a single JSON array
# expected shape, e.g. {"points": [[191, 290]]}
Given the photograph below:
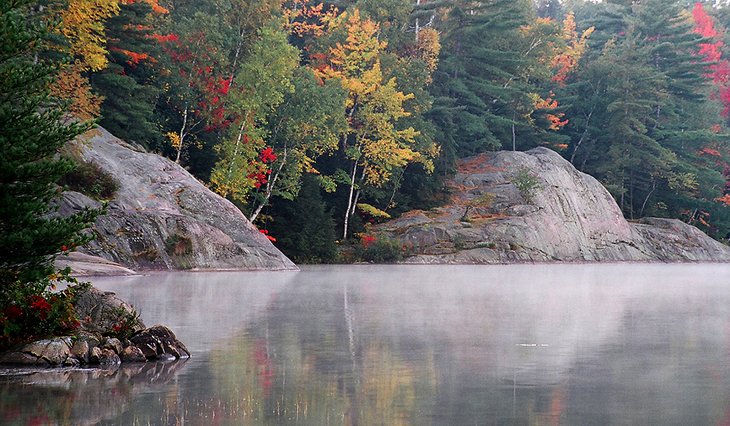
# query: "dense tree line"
{"points": [[316, 118]]}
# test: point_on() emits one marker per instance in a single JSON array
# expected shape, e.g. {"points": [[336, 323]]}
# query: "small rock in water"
{"points": [[133, 354], [80, 350], [95, 355], [159, 342], [114, 344], [109, 358]]}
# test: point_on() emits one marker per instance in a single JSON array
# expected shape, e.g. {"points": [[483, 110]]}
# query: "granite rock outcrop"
{"points": [[163, 218], [515, 207]]}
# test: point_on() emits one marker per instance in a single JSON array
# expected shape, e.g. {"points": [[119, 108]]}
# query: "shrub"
{"points": [[483, 201], [527, 183], [34, 311], [90, 180], [379, 249], [178, 245], [127, 324]]}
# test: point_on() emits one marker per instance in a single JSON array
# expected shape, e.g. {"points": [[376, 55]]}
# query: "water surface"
{"points": [[389, 345]]}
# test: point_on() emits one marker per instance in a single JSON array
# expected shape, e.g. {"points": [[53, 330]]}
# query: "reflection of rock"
{"points": [[78, 396]]}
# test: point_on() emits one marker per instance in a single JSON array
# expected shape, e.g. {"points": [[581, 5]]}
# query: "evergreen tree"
{"points": [[552, 9], [641, 114], [304, 229], [490, 77], [127, 84], [32, 131]]}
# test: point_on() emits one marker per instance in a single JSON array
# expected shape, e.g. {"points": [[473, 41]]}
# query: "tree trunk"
{"points": [[514, 135], [643, 205], [418, 22], [349, 200], [582, 137], [182, 135]]}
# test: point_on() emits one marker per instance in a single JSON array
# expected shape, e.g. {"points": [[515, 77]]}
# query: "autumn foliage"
{"points": [[565, 61], [719, 68], [377, 101]]}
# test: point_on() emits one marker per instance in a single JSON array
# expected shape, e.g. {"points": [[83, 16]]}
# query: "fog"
{"points": [[629, 343]]}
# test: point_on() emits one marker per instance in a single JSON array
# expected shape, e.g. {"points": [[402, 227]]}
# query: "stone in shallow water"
{"points": [[109, 358], [20, 358], [159, 342], [114, 344], [52, 352], [80, 350], [95, 355], [57, 351], [132, 354]]}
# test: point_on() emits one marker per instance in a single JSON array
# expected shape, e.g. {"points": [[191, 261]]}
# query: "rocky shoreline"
{"points": [[110, 334]]}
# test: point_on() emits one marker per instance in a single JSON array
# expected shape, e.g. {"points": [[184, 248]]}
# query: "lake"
{"points": [[412, 345]]}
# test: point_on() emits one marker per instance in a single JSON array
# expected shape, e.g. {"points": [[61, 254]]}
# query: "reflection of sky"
{"points": [[442, 344]]}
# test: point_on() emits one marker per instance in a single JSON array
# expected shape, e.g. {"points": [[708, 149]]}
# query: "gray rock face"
{"points": [[84, 265], [164, 218], [569, 216]]}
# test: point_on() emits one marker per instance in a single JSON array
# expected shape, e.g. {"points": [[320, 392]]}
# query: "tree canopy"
{"points": [[374, 101]]}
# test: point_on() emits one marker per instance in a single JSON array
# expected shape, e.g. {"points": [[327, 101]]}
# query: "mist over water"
{"points": [[537, 344]]}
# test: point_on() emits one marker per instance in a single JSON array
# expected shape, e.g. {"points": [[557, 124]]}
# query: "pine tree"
{"points": [[127, 84], [641, 114], [492, 77], [552, 9], [33, 130]]}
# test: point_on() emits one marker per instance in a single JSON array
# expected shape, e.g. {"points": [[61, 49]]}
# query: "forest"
{"points": [[319, 118]]}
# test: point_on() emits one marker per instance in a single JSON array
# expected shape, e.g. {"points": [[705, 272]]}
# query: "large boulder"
{"points": [[536, 207], [48, 352], [163, 218], [84, 265]]}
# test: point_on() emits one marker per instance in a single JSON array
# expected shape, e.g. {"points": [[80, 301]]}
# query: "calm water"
{"points": [[421, 345]]}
